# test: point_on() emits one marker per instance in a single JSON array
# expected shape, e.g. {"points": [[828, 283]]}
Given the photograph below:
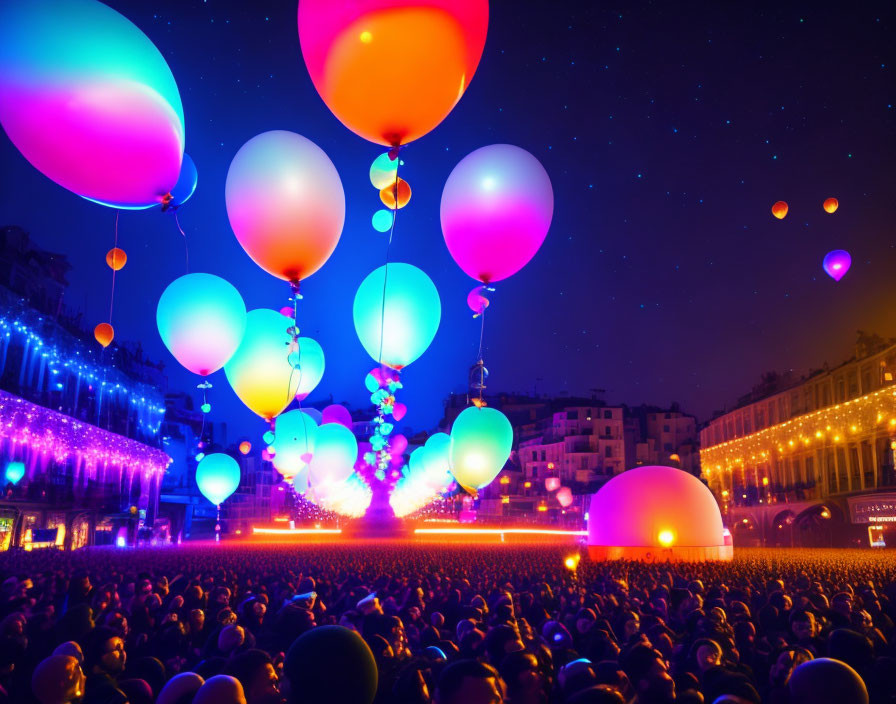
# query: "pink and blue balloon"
{"points": [[201, 319], [259, 371], [186, 183], [295, 435], [217, 476], [311, 364], [497, 206], [335, 453], [481, 439], [836, 263], [285, 203], [397, 328], [88, 99], [336, 413]]}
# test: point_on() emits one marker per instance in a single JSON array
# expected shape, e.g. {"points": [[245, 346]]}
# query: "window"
{"points": [[608, 451], [665, 428], [534, 455], [607, 431], [608, 414], [667, 447], [543, 456]]}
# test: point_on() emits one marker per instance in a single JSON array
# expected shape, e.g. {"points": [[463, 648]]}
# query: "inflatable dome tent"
{"points": [[656, 514]]}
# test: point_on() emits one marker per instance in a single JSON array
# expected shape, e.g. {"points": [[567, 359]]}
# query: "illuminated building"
{"points": [[81, 425], [827, 438], [632, 517]]}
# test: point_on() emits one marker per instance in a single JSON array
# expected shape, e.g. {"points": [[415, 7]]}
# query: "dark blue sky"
{"points": [[668, 131]]}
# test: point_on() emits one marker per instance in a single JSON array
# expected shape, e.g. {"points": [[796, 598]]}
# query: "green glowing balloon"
{"points": [[481, 439], [396, 332], [217, 476]]}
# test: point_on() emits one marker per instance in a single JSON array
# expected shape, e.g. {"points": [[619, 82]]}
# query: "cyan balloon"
{"points": [[295, 433], [259, 371], [202, 319], [87, 98], [437, 459], [481, 439], [311, 366], [396, 332], [217, 476], [417, 464], [335, 452], [14, 472], [186, 183]]}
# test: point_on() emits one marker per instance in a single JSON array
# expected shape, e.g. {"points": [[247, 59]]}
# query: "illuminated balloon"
{"points": [[300, 481], [496, 209], [259, 371], [836, 263], [201, 319], [383, 171], [398, 443], [564, 496], [481, 439], [311, 366], [411, 314], [779, 210], [89, 101], [14, 472], [245, 447], [830, 205], [382, 221], [476, 301], [116, 259], [396, 196], [285, 203], [392, 70], [295, 434], [217, 476], [335, 413], [552, 483], [186, 183], [436, 461], [315, 414], [104, 334], [335, 452]]}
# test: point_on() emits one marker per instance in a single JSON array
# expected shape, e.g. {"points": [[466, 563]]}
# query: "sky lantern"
{"points": [[836, 263], [779, 210], [116, 258], [830, 205], [104, 334]]}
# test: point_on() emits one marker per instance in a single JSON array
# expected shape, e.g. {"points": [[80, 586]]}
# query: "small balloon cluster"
{"points": [[425, 477], [395, 193], [836, 262], [383, 383]]}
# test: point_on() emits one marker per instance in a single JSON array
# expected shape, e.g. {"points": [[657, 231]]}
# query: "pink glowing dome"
{"points": [[655, 513]]}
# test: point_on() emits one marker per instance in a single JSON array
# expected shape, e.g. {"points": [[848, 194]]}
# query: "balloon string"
{"points": [[386, 265], [479, 358], [112, 296], [186, 248]]}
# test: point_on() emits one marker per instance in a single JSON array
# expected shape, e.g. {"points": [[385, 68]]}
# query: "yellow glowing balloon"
{"points": [[259, 371]]}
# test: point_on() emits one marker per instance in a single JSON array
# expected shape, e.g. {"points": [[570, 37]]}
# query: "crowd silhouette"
{"points": [[402, 623]]}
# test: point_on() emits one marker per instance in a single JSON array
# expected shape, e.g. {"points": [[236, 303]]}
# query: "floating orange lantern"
{"points": [[116, 259], [779, 210], [396, 195], [104, 334], [831, 205], [245, 447]]}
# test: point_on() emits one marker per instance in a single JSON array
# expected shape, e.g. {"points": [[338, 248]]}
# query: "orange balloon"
{"points": [[116, 259], [779, 210], [396, 196], [831, 205], [245, 447], [392, 70], [104, 334]]}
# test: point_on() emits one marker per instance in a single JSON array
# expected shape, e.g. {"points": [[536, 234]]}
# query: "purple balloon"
{"points": [[477, 301], [398, 444], [836, 263], [337, 414], [496, 209]]}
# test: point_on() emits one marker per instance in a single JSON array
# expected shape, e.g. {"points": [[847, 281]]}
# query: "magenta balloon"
{"points": [[476, 301], [496, 209], [837, 263], [337, 414], [398, 444]]}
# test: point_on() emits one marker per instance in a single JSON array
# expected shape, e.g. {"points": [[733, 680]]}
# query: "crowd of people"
{"points": [[403, 623]]}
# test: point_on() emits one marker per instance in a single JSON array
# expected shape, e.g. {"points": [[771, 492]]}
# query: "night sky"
{"points": [[668, 130]]}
